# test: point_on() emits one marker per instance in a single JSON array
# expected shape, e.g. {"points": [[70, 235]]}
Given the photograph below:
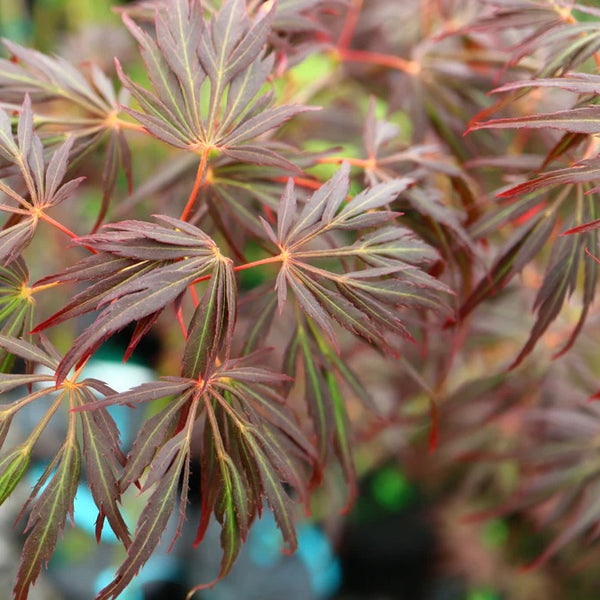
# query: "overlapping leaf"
{"points": [[323, 371], [251, 447], [88, 108], [16, 307], [42, 181], [550, 30], [139, 269], [51, 500], [221, 59], [568, 263], [387, 160], [372, 277]]}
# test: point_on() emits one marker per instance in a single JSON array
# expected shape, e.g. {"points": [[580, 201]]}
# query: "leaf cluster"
{"points": [[330, 213]]}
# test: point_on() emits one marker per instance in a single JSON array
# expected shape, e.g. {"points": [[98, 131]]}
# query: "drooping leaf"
{"points": [[151, 525], [140, 269], [101, 454], [47, 518]]}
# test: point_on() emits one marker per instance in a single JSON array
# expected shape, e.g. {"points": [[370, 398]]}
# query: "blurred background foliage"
{"points": [[410, 534]]}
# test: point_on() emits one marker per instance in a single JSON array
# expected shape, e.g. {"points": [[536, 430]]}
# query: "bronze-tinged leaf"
{"points": [[520, 249], [140, 269], [150, 526], [47, 518], [27, 351], [101, 455], [14, 239], [576, 120], [88, 105], [275, 494], [252, 448], [212, 324], [118, 155], [546, 29], [152, 294], [155, 431], [221, 56], [559, 282], [385, 277], [40, 76], [152, 435]]}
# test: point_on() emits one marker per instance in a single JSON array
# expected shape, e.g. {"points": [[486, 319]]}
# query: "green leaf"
{"points": [[12, 468]]}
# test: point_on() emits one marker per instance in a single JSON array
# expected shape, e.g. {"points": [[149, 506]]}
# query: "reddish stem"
{"points": [[61, 227], [377, 58], [304, 182], [256, 263], [195, 299], [200, 174], [182, 325], [263, 261], [349, 26]]}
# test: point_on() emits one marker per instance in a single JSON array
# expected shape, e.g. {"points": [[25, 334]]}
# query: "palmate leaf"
{"points": [[93, 104], [251, 447], [51, 499], [222, 58], [42, 181], [373, 277], [140, 268], [44, 77], [388, 159], [248, 420]]}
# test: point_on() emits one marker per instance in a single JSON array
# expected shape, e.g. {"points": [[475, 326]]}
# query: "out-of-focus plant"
{"points": [[284, 190]]}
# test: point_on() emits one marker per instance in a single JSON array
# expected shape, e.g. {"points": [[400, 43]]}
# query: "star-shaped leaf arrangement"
{"points": [[208, 76], [251, 449], [140, 268], [42, 182], [91, 443], [362, 284]]}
